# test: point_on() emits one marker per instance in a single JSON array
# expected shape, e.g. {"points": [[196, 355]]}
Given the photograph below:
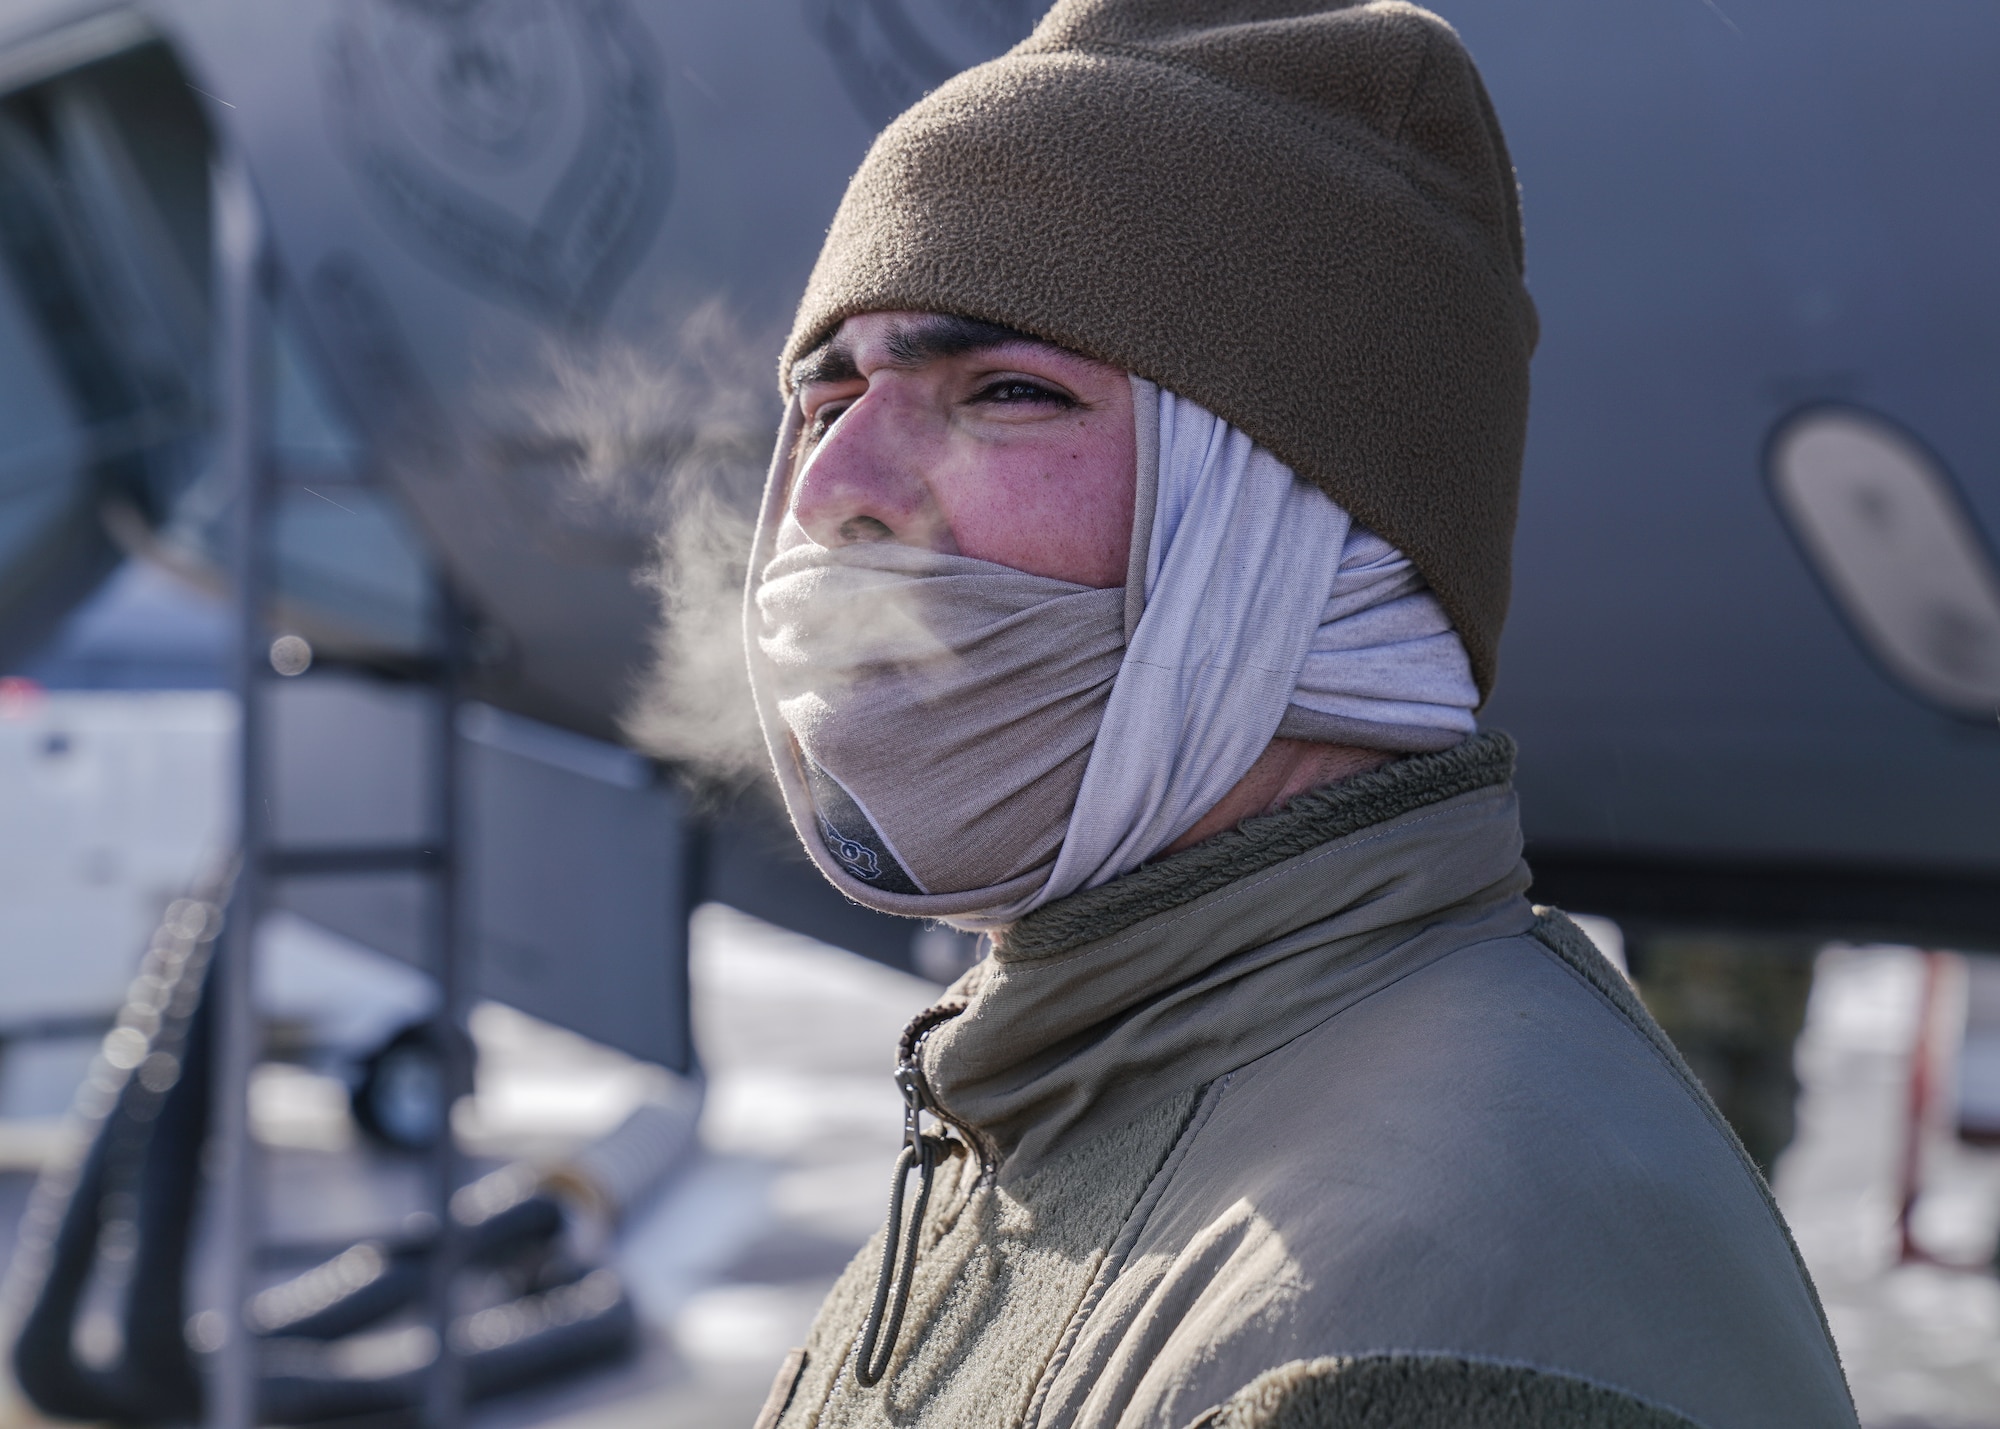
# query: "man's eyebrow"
{"points": [[911, 344], [829, 362], [929, 338]]}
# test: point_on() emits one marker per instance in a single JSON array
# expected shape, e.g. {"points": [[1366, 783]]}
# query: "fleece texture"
{"points": [[1361, 1105], [1429, 1392], [1025, 1257], [1044, 1056], [1482, 762], [1299, 214]]}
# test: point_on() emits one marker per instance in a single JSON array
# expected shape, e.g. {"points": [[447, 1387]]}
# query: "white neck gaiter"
{"points": [[960, 740]]}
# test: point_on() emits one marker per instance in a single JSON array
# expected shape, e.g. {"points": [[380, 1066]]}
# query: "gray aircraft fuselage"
{"points": [[1753, 660]]}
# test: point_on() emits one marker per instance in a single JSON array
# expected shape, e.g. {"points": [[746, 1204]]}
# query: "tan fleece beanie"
{"points": [[1300, 215]]}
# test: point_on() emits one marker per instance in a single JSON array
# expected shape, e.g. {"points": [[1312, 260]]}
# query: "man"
{"points": [[1132, 566]]}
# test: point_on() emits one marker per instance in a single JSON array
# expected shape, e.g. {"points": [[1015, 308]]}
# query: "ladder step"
{"points": [[354, 858]]}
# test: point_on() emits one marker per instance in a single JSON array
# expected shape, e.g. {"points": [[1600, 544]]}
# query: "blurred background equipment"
{"points": [[494, 369], [1734, 1004], [114, 1221]]}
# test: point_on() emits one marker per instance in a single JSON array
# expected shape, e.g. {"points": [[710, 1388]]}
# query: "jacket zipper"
{"points": [[877, 1345]]}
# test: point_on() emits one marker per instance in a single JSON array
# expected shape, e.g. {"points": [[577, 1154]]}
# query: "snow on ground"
{"points": [[1921, 1342]]}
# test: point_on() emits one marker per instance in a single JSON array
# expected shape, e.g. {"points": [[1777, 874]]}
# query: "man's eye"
{"points": [[822, 419], [1013, 390]]}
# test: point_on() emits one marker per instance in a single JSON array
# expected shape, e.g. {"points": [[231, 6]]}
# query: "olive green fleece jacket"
{"points": [[1320, 1124]]}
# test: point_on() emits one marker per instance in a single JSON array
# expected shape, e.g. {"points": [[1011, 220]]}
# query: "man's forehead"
{"points": [[908, 340]]}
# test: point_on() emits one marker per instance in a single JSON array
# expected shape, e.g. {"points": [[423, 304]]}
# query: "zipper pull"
{"points": [[910, 1082], [899, 1243]]}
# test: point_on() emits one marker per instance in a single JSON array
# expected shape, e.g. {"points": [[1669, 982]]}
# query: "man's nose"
{"points": [[868, 479]]}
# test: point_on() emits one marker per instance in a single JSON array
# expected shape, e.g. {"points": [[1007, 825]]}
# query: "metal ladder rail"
{"points": [[248, 286]]}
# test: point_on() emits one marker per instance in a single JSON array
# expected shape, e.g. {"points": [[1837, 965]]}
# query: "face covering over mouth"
{"points": [[960, 740]]}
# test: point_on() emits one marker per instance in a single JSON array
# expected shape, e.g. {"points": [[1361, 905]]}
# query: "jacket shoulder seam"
{"points": [[1113, 1264], [1559, 938]]}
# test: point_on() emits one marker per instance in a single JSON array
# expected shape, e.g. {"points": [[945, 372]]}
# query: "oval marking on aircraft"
{"points": [[1884, 528]]}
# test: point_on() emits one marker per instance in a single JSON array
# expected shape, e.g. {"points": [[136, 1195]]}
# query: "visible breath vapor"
{"points": [[676, 446], [694, 707]]}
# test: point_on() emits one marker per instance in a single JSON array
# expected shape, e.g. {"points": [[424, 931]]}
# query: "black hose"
{"points": [[502, 1215], [141, 1114], [134, 1178], [531, 1339]]}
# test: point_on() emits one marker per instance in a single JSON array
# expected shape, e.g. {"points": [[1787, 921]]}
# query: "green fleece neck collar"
{"points": [[1257, 844], [1101, 1006]]}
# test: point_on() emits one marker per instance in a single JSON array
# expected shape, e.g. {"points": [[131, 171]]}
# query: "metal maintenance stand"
{"points": [[247, 292]]}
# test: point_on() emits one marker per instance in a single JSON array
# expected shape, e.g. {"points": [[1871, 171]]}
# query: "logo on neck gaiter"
{"points": [[850, 836], [859, 858]]}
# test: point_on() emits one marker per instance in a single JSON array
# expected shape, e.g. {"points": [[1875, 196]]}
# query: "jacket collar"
{"points": [[1103, 1004]]}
